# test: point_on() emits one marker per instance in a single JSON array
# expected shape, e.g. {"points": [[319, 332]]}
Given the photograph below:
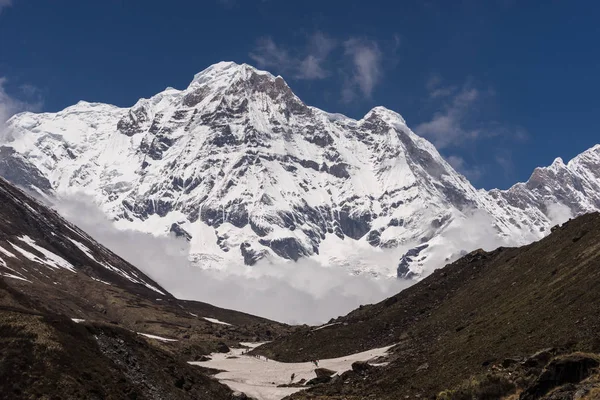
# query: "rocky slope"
{"points": [[486, 314], [77, 321], [241, 167]]}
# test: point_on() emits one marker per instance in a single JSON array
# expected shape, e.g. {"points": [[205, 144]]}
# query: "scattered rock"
{"points": [[360, 367], [223, 348], [508, 362], [539, 359], [316, 381], [320, 372], [423, 367]]}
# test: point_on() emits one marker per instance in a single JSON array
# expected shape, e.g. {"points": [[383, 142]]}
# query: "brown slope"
{"points": [[48, 356], [102, 286], [116, 300], [470, 314]]}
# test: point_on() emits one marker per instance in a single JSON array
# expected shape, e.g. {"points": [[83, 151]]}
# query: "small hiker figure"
{"points": [[316, 363], [292, 378]]}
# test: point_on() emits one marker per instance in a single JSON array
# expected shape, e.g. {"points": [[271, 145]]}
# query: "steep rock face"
{"points": [[244, 170]]}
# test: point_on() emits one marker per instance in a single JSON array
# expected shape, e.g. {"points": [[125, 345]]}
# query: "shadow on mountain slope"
{"points": [[468, 317]]}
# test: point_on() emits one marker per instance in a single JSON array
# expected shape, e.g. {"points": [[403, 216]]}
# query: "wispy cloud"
{"points": [[268, 54], [450, 125], [460, 121], [319, 48], [359, 61], [459, 117], [436, 89], [294, 292], [10, 105], [506, 163], [366, 58], [309, 64], [473, 173], [4, 4]]}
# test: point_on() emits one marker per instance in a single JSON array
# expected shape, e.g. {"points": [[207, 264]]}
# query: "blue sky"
{"points": [[500, 86]]}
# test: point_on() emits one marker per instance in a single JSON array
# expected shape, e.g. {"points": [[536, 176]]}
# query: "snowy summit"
{"points": [[240, 167]]}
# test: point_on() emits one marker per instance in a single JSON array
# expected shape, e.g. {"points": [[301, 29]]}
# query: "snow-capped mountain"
{"points": [[243, 169]]}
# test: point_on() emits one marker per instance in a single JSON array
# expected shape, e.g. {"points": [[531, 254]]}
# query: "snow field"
{"points": [[259, 377]]}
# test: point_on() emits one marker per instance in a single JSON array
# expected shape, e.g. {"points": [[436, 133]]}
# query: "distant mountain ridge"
{"points": [[238, 165]]}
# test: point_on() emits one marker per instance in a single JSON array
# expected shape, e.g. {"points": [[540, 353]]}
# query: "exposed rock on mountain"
{"points": [[243, 169]]}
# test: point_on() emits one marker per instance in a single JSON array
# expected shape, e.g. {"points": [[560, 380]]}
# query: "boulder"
{"points": [[316, 381], [222, 348], [360, 367], [539, 359], [508, 362], [321, 372]]}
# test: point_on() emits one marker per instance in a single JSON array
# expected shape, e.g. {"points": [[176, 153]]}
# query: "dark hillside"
{"points": [[470, 315], [52, 273]]}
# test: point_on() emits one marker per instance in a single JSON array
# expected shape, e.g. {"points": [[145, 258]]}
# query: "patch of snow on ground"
{"points": [[77, 320], [259, 378], [216, 321], [51, 260], [162, 339], [7, 253], [84, 249], [100, 280], [149, 286], [325, 326], [15, 277]]}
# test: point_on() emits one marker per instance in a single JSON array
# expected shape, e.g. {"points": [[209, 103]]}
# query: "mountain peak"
{"points": [[238, 165], [385, 114], [558, 163], [226, 72]]}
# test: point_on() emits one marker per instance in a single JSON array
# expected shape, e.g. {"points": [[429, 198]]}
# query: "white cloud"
{"points": [[367, 71], [302, 292], [268, 54], [459, 117], [436, 89], [448, 127], [308, 64], [558, 213], [506, 163], [319, 48], [10, 105], [360, 61], [459, 164], [4, 4]]}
